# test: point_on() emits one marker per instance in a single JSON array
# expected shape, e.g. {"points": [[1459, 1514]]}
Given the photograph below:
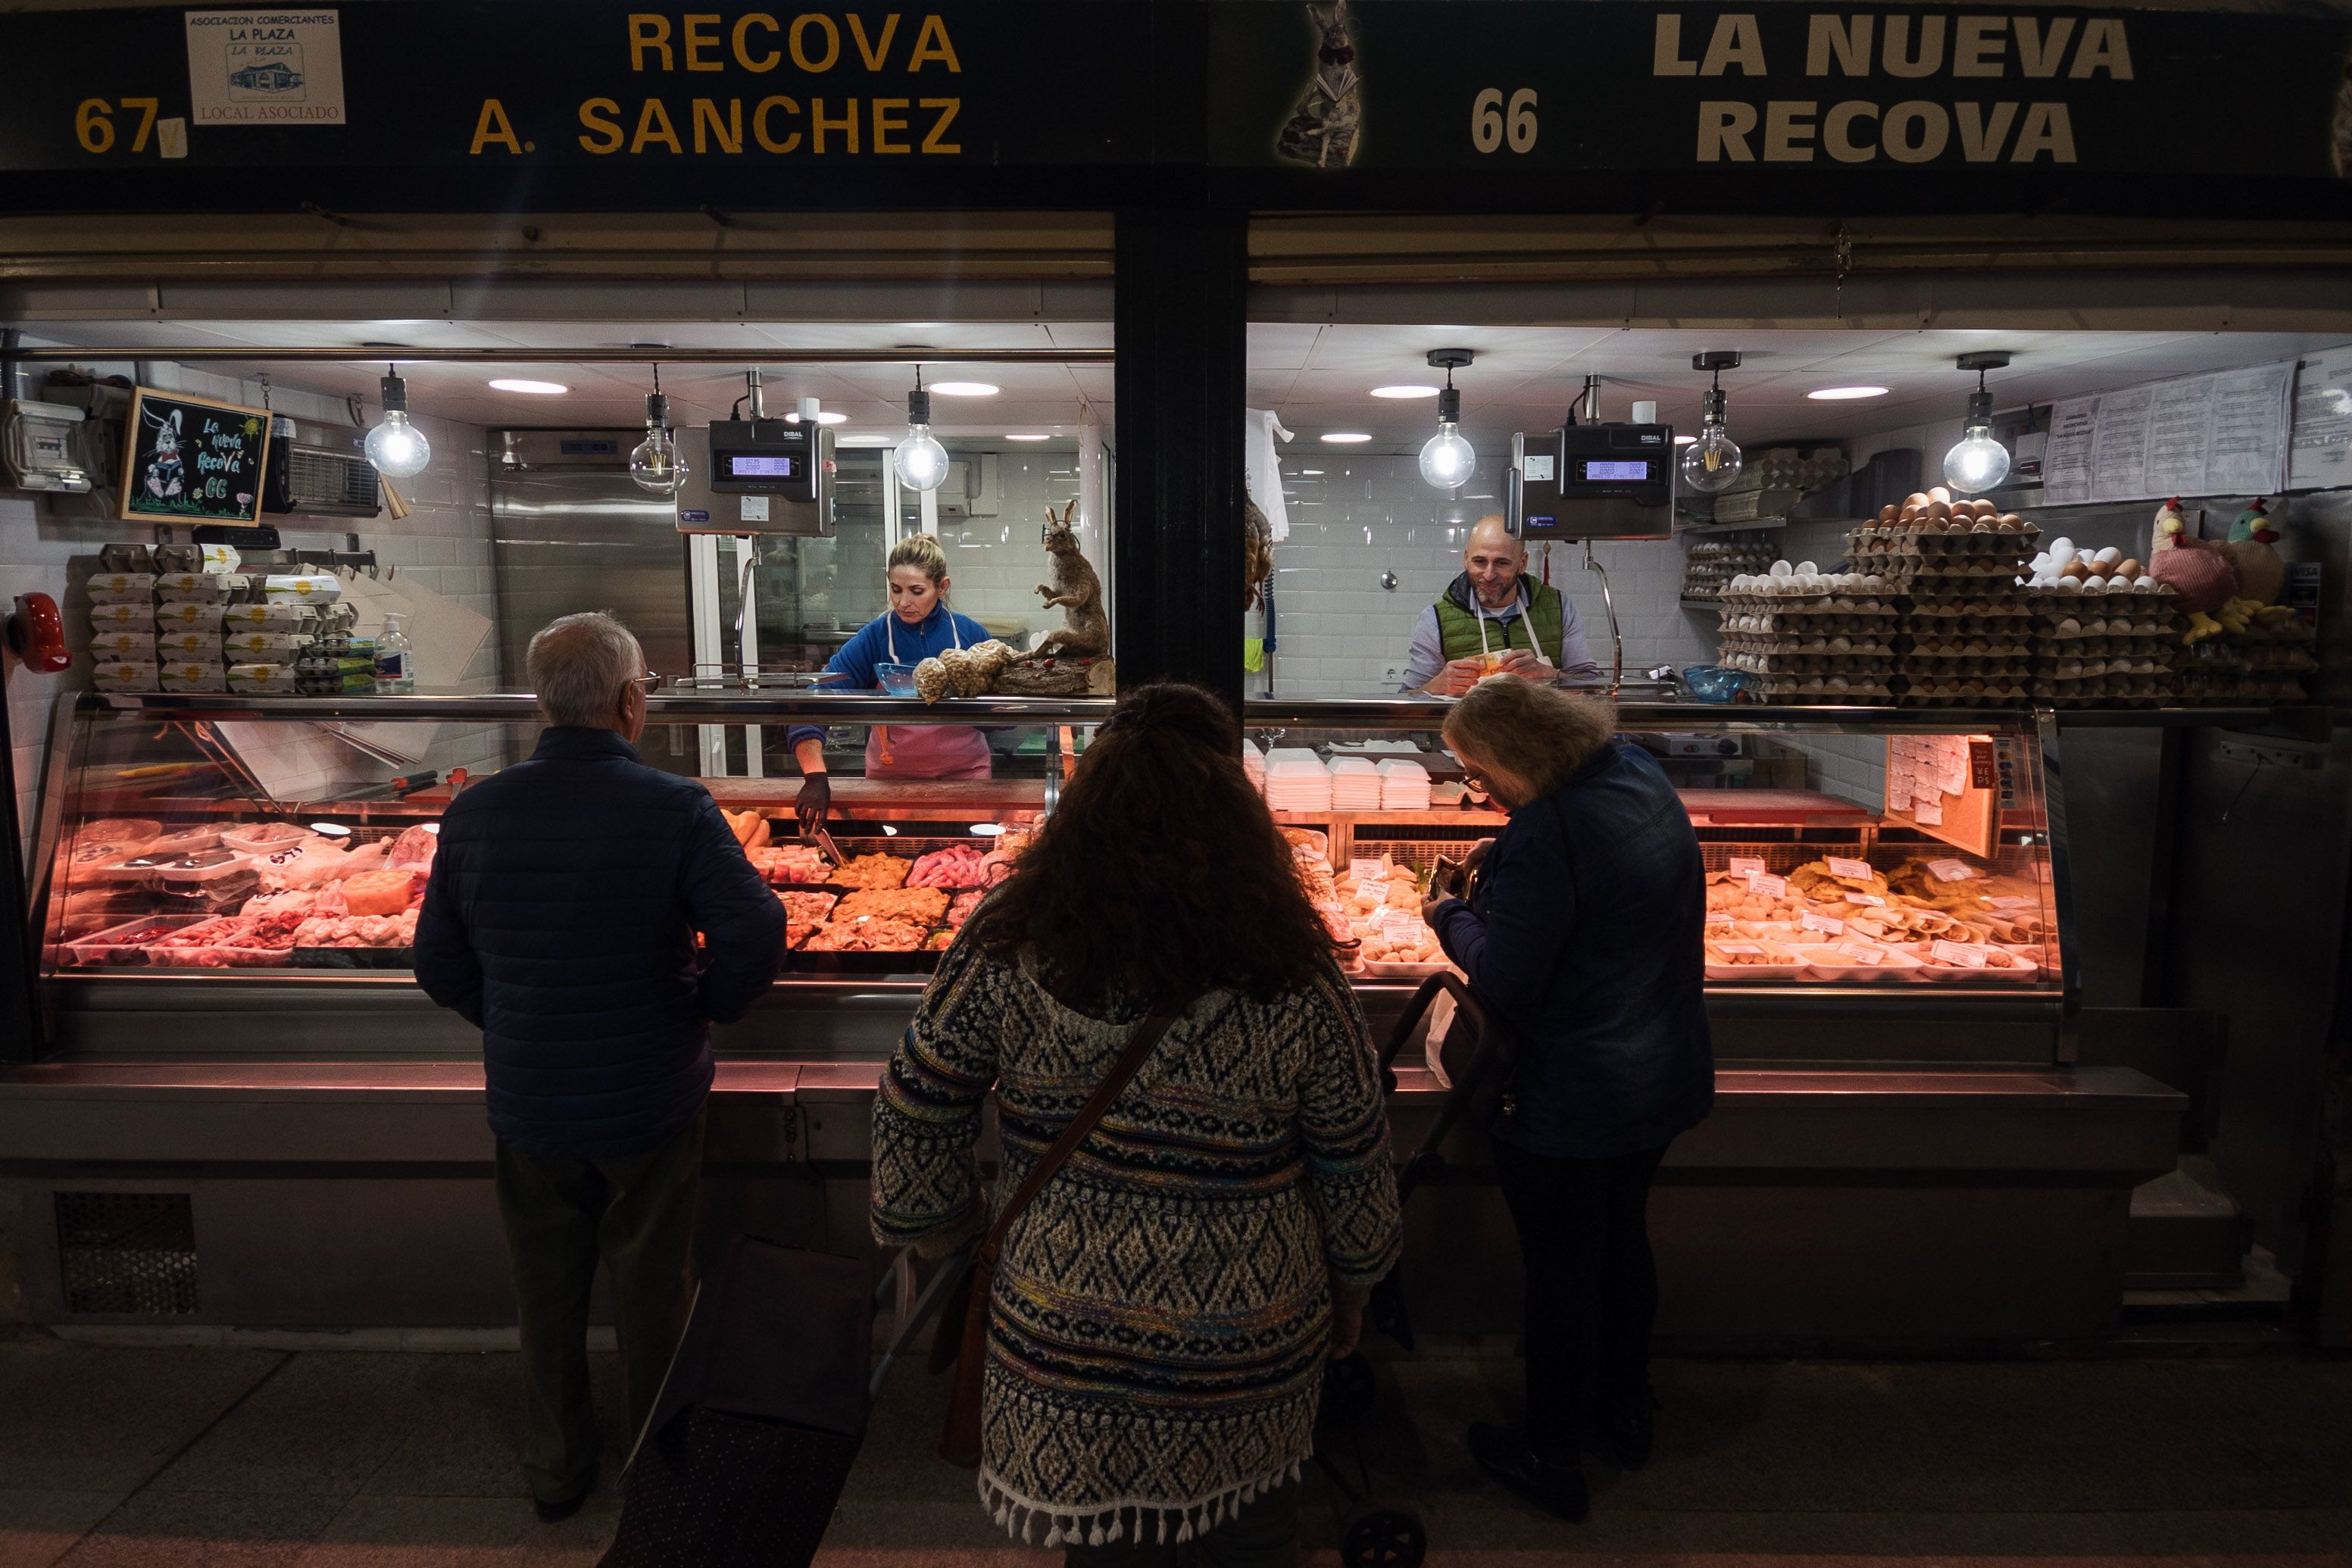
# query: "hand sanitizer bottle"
{"points": [[395, 666]]}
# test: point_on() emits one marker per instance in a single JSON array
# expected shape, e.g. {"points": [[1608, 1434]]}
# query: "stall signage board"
{"points": [[752, 111], [192, 459]]}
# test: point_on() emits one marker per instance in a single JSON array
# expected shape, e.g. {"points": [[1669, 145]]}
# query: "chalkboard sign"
{"points": [[189, 457]]}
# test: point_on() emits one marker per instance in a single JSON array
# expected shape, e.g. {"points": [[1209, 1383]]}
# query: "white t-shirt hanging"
{"points": [[1263, 468]]}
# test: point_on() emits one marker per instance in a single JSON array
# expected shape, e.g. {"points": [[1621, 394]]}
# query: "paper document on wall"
{"points": [[2321, 457]]}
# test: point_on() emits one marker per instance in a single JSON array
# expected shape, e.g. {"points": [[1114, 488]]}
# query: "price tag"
{"points": [[1745, 866], [1828, 925], [1858, 869], [1870, 898], [1769, 886], [1719, 919], [1863, 951], [1965, 955], [1739, 949], [1389, 921], [1954, 871], [1365, 871], [1380, 891]]}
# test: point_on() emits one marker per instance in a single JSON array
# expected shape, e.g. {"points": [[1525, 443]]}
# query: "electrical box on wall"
{"points": [[1592, 481], [737, 485], [36, 445], [970, 490]]}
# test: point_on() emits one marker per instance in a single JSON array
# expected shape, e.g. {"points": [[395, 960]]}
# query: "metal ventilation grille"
{"points": [[132, 1253], [318, 480]]}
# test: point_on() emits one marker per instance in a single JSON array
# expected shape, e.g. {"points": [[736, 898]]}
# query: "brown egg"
{"points": [[1940, 511], [1986, 510], [2127, 569], [1889, 512], [2078, 567], [1917, 499], [1938, 493], [2010, 520]]}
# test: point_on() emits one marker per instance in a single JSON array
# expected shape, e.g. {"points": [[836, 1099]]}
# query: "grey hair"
{"points": [[578, 665]]}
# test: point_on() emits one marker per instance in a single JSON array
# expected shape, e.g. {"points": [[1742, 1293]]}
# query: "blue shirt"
{"points": [[852, 668], [1427, 656], [1584, 937]]}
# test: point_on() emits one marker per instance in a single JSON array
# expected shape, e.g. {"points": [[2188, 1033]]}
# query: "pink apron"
{"points": [[926, 751]]}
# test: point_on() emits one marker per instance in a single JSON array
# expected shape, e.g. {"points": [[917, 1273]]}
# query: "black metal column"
{"points": [[1177, 610], [20, 1014]]}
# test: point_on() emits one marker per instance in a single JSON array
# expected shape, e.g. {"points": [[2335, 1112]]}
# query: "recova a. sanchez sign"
{"points": [[811, 49], [2021, 65]]}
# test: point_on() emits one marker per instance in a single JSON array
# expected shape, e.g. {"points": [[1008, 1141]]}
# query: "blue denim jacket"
{"points": [[1584, 936]]}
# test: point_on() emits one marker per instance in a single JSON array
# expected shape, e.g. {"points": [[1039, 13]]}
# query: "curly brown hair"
{"points": [[1161, 875]]}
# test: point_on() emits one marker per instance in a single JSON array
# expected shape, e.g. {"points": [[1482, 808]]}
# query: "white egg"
{"points": [[2144, 581], [2062, 544], [2108, 557], [2094, 585], [1841, 644], [2043, 563], [2069, 627], [1806, 568], [1836, 683], [1782, 569], [2068, 584]]}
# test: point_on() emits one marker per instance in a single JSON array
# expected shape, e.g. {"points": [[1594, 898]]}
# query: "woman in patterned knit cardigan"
{"points": [[1161, 1314]]}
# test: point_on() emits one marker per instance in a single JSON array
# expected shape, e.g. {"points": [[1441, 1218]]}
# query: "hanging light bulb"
{"points": [[396, 449], [1979, 461], [656, 465], [919, 460], [1446, 459], [1711, 463]]}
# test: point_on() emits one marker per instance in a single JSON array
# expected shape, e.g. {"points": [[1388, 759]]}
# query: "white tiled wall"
{"points": [[444, 544], [1340, 633]]}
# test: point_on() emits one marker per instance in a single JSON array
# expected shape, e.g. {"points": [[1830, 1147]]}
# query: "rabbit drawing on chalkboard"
{"points": [[165, 477], [1075, 591]]}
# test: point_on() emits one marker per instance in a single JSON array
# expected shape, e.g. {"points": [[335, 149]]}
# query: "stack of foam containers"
{"points": [[1404, 785]]}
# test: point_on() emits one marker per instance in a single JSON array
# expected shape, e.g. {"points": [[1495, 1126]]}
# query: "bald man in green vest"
{"points": [[1495, 618]]}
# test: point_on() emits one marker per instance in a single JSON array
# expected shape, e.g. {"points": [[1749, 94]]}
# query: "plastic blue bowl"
{"points": [[898, 679], [1713, 683]]}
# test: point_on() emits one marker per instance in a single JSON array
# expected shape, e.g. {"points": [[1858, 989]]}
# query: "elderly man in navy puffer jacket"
{"points": [[561, 918]]}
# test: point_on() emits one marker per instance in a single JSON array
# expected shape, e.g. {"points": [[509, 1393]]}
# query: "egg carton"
{"points": [[1966, 652], [1825, 690], [1957, 577], [1864, 647], [1823, 603], [2056, 595], [1997, 692], [1966, 608], [2072, 669], [2204, 691], [1807, 664], [2115, 691], [2162, 649], [1977, 538], [2123, 619]]}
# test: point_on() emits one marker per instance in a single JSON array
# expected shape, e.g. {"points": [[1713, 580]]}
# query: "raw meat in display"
{"points": [[413, 849], [870, 871], [807, 908], [379, 892], [960, 908], [864, 936], [358, 931], [287, 901], [917, 906], [956, 866], [790, 864]]}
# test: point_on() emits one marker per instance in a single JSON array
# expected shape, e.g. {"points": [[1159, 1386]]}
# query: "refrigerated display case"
{"points": [[1903, 1145]]}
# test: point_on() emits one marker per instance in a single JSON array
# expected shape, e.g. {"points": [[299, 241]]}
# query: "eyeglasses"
{"points": [[648, 683]]}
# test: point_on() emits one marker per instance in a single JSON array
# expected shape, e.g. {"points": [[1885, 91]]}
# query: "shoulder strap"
{"points": [[1138, 1050]]}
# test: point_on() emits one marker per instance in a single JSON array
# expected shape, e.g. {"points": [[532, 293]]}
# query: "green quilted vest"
{"points": [[1459, 628]]}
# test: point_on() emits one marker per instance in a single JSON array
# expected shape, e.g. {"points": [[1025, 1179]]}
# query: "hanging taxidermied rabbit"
{"points": [[1076, 591]]}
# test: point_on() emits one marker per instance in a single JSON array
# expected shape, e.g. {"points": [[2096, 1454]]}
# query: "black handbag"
{"points": [[760, 1418]]}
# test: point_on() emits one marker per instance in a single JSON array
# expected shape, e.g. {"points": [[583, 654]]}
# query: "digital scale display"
{"points": [[750, 466], [1603, 471]]}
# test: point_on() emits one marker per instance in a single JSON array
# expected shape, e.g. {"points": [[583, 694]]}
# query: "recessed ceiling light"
{"points": [[536, 388], [1404, 392], [965, 389], [824, 416], [1028, 437], [1311, 473], [1345, 438], [1843, 394]]}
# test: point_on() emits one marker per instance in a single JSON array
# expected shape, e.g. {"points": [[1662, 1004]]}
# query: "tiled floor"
{"points": [[157, 1458]]}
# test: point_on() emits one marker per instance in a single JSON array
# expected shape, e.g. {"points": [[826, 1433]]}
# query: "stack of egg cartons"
{"points": [[123, 631], [2105, 632], [1802, 635], [1404, 785], [1296, 780], [1966, 637], [188, 610], [1354, 785]]}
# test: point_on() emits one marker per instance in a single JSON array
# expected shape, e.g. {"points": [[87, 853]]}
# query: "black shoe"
{"points": [[1632, 1430], [564, 1508], [1550, 1477]]}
